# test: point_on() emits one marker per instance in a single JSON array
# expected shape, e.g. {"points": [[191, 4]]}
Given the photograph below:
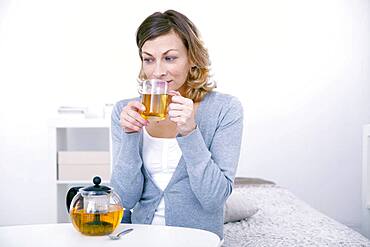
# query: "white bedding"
{"points": [[285, 220]]}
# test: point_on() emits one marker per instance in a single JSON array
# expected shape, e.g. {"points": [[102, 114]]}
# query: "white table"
{"points": [[142, 235]]}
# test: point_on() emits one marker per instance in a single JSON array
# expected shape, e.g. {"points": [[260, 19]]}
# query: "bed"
{"points": [[278, 218]]}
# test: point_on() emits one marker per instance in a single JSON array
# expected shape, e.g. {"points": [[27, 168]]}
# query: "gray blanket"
{"points": [[285, 220]]}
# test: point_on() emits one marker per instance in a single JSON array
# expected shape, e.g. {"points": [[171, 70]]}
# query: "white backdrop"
{"points": [[301, 69]]}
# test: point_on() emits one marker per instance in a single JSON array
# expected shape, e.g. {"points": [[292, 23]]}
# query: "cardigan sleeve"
{"points": [[212, 170], [127, 178]]}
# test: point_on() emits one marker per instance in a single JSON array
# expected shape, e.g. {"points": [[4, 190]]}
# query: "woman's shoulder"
{"points": [[223, 100], [220, 109]]}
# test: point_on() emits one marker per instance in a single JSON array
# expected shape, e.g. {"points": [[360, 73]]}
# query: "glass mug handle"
{"points": [[140, 85]]}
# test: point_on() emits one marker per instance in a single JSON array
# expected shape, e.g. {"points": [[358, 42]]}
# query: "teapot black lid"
{"points": [[97, 187]]}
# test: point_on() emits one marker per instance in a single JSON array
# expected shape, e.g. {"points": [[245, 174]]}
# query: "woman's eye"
{"points": [[147, 60], [170, 58]]}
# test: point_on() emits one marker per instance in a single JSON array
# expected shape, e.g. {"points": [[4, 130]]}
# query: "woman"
{"points": [[178, 171]]}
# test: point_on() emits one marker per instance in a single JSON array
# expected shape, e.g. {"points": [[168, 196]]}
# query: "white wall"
{"points": [[301, 69]]}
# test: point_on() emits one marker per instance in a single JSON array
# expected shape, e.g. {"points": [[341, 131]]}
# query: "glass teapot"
{"points": [[94, 210]]}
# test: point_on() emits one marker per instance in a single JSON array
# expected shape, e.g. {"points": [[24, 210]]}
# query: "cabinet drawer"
{"points": [[83, 172], [83, 157]]}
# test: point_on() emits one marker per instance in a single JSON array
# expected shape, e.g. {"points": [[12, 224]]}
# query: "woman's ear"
{"points": [[193, 66]]}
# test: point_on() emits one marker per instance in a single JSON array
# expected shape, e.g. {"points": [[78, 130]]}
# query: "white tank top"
{"points": [[160, 157]]}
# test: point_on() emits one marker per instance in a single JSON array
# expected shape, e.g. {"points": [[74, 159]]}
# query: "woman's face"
{"points": [[166, 58]]}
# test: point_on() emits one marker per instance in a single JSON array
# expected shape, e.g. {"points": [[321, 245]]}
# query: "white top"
{"points": [[62, 235], [160, 156]]}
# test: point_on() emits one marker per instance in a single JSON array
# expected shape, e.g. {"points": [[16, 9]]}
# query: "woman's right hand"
{"points": [[130, 118]]}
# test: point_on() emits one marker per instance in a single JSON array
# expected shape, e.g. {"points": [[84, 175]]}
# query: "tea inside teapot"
{"points": [[96, 210]]}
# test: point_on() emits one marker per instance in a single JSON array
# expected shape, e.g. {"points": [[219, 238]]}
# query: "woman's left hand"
{"points": [[181, 111]]}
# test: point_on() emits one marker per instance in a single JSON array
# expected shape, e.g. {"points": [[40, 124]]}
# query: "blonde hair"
{"points": [[197, 83]]}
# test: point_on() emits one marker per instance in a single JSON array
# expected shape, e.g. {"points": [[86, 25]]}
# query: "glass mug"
{"points": [[154, 96]]}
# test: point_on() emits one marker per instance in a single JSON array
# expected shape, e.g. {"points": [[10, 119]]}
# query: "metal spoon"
{"points": [[116, 237]]}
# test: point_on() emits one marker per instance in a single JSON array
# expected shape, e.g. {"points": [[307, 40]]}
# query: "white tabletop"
{"points": [[142, 235]]}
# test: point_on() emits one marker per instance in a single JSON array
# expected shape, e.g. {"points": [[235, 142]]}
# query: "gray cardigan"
{"points": [[203, 179]]}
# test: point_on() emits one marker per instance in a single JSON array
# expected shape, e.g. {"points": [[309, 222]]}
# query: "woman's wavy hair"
{"points": [[197, 83]]}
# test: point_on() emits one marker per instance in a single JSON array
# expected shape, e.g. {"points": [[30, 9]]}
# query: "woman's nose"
{"points": [[159, 70]]}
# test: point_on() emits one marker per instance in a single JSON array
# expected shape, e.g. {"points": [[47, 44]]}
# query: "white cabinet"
{"points": [[84, 148], [366, 180]]}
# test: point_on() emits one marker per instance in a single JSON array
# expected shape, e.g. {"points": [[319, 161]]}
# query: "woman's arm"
{"points": [[212, 171], [127, 178]]}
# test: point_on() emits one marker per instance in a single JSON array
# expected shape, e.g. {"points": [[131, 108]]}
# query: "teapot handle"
{"points": [[70, 194]]}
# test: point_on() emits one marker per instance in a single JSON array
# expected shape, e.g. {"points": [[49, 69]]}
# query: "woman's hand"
{"points": [[181, 111], [130, 118]]}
